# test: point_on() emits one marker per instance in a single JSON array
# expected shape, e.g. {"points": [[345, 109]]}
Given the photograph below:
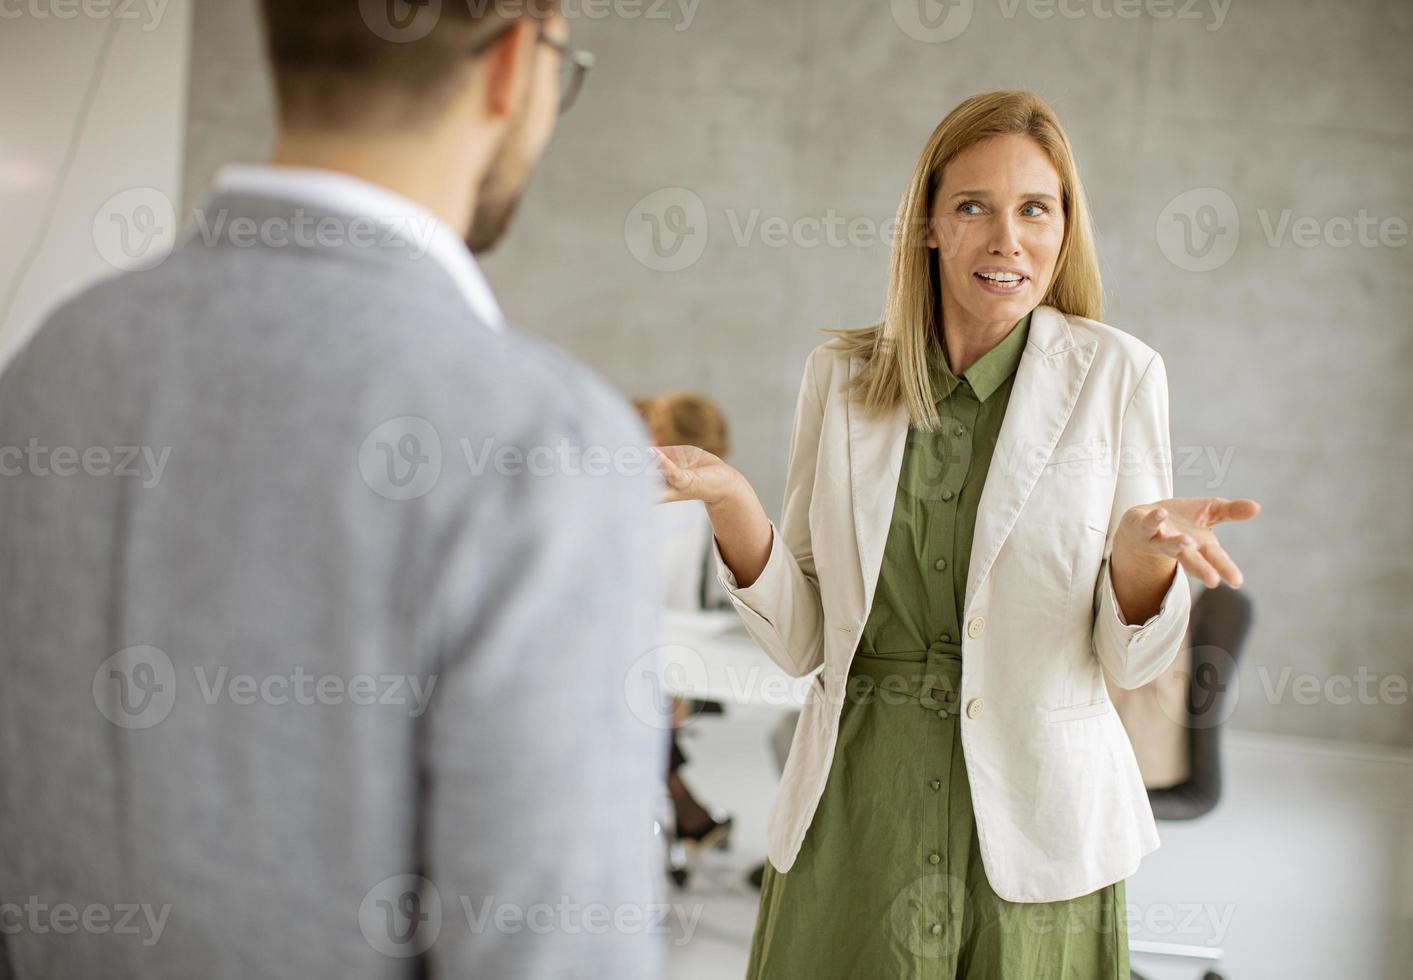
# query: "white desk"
{"points": [[709, 655]]}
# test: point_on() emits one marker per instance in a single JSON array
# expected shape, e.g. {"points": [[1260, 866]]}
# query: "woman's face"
{"points": [[997, 225]]}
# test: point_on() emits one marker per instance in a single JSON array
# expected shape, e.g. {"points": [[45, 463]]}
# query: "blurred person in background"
{"points": [[687, 418], [315, 531]]}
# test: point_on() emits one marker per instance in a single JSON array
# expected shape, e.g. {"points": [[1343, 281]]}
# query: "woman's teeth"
{"points": [[1001, 283]]}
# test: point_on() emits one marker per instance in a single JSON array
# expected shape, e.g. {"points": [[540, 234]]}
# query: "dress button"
{"points": [[974, 707], [934, 858], [975, 627], [940, 564], [946, 495], [936, 784], [961, 430], [936, 929], [946, 637], [941, 712]]}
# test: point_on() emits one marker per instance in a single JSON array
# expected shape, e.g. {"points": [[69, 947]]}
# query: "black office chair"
{"points": [[1221, 620]]}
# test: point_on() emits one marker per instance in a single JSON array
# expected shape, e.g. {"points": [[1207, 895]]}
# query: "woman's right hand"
{"points": [[738, 521], [690, 473]]}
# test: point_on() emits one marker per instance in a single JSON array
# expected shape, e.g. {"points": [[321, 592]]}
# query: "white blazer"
{"points": [[1060, 806]]}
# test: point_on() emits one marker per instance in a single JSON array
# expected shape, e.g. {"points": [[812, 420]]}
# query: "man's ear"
{"points": [[507, 67]]}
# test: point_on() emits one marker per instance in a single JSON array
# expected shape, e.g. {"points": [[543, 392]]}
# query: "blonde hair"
{"points": [[895, 350], [686, 418]]}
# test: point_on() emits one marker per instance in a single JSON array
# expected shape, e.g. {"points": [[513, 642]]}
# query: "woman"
{"points": [[977, 524]]}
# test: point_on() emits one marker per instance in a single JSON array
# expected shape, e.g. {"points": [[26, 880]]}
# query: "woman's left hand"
{"points": [[1181, 528]]}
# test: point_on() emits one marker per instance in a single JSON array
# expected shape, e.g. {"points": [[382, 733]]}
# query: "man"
{"points": [[322, 589]]}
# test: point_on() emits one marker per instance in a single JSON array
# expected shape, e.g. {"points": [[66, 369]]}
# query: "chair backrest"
{"points": [[1221, 620]]}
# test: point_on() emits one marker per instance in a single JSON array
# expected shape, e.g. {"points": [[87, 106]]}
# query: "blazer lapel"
{"points": [[1047, 383], [1048, 380], [875, 461]]}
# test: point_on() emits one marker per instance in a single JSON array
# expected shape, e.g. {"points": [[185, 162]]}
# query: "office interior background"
{"points": [[724, 188]]}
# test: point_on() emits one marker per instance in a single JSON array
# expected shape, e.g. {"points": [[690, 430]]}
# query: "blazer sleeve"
{"points": [[781, 609], [1134, 654]]}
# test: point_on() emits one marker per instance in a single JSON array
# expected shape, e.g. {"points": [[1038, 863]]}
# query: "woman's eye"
{"points": [[1034, 210], [965, 207]]}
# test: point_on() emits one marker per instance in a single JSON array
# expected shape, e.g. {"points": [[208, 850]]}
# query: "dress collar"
{"points": [[990, 370]]}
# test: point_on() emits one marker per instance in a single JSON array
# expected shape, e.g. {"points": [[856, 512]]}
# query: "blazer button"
{"points": [[975, 627], [974, 707]]}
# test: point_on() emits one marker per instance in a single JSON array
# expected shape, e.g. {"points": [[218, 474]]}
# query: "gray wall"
{"points": [[87, 185], [1288, 352]]}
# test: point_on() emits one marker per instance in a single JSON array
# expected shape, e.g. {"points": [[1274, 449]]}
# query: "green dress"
{"points": [[889, 883]]}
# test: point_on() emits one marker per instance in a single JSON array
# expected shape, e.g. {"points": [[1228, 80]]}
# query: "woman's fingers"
{"points": [[674, 478], [1168, 538], [679, 482], [1217, 556], [1200, 553], [1196, 565], [1242, 509]]}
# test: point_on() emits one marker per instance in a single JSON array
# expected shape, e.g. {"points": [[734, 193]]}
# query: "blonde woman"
{"points": [[978, 522]]}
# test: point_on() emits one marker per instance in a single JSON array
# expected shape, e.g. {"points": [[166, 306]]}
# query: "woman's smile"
{"points": [[1000, 280]]}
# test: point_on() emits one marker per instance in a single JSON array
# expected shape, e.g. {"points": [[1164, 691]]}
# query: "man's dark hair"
{"points": [[341, 64]]}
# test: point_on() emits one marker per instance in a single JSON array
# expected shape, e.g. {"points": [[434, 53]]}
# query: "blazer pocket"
{"points": [[1074, 712], [1077, 452]]}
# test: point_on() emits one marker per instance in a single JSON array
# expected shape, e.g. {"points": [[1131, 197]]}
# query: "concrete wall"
{"points": [[91, 137], [1240, 157]]}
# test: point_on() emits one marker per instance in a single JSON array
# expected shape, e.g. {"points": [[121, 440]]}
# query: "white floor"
{"points": [[1305, 870]]}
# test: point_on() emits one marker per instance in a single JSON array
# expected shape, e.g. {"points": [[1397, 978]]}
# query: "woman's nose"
{"points": [[1005, 236]]}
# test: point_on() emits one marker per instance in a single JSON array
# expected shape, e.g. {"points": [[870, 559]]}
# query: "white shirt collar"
{"points": [[334, 191]]}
